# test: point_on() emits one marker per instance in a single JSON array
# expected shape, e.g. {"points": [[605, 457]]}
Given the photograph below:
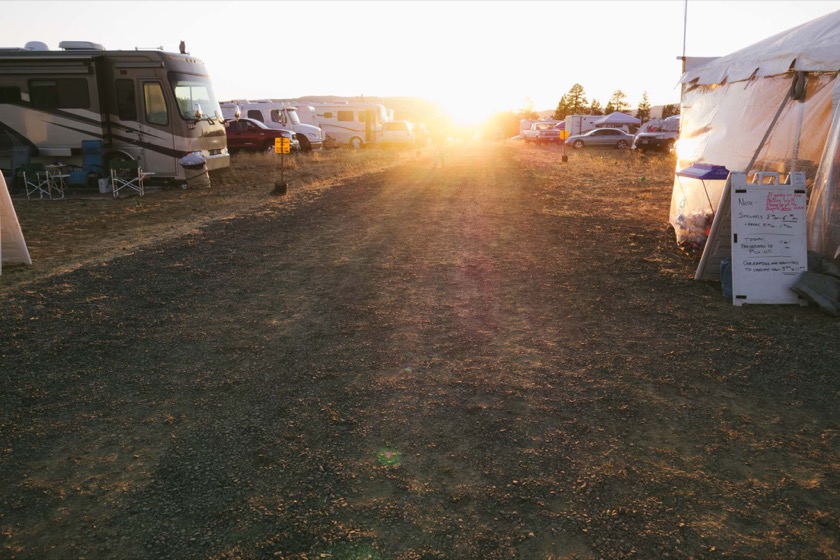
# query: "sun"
{"points": [[475, 110]]}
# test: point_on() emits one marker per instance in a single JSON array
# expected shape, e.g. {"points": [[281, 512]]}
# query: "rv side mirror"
{"points": [[197, 109]]}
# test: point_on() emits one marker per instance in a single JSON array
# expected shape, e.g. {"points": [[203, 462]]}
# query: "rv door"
{"points": [[156, 128]]}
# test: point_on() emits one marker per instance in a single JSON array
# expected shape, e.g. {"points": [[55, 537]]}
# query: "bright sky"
{"points": [[474, 57]]}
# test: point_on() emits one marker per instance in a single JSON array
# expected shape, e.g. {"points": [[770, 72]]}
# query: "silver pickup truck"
{"points": [[542, 132]]}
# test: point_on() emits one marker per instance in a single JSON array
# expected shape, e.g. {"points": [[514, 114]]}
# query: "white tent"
{"points": [[772, 106], [616, 119]]}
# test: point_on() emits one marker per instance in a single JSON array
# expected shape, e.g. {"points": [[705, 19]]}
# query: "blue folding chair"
{"points": [[92, 165]]}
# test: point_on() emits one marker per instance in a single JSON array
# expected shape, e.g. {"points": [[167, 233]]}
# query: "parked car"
{"points": [[659, 134], [601, 137], [398, 133], [542, 132], [252, 135]]}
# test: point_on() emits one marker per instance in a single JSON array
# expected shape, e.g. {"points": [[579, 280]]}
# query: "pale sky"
{"points": [[474, 57]]}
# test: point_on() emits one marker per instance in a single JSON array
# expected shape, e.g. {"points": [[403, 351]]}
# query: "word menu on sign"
{"points": [[769, 243]]}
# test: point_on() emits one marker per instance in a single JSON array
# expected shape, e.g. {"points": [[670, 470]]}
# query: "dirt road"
{"points": [[504, 358]]}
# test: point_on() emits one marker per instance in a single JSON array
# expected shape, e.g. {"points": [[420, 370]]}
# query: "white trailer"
{"points": [[279, 115], [578, 124], [350, 124], [150, 106]]}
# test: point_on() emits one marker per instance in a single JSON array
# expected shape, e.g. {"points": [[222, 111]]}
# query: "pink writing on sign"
{"points": [[785, 201]]}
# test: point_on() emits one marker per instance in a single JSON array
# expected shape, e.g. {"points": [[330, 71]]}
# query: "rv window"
{"points": [[255, 114], [60, 93], [278, 116], [155, 104], [191, 89], [345, 116], [9, 94], [328, 115], [126, 102]]}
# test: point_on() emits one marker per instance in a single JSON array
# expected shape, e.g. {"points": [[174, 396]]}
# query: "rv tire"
{"points": [[356, 143], [305, 146]]}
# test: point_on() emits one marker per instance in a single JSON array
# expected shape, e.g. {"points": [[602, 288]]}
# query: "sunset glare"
{"points": [[472, 58]]}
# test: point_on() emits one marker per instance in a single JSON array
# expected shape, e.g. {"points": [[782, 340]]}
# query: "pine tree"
{"points": [[618, 101], [562, 109], [576, 100], [643, 111], [595, 108]]}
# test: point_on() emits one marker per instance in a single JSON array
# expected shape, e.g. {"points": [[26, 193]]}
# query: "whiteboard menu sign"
{"points": [[769, 240]]}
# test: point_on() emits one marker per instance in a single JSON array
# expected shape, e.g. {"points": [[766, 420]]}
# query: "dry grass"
{"points": [[87, 228]]}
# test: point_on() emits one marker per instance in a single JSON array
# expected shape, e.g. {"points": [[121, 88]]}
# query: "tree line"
{"points": [[505, 125], [575, 103]]}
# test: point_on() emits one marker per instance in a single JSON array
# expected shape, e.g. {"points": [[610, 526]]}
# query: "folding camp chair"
{"points": [[92, 168], [36, 180], [127, 174]]}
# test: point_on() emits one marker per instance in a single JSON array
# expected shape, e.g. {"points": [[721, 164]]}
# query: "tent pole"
{"points": [[769, 130]]}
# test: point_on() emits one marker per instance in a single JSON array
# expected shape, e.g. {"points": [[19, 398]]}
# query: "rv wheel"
{"points": [[355, 142], [305, 146]]}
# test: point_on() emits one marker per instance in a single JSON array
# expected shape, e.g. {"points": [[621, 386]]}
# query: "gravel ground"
{"points": [[503, 358]]}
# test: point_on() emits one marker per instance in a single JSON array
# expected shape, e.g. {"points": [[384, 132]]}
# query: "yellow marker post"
{"points": [[282, 146]]}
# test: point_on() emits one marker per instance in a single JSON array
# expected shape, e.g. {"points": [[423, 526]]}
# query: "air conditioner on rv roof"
{"points": [[80, 46]]}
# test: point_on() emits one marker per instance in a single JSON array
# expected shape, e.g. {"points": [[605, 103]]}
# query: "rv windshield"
{"points": [[285, 116], [293, 116], [191, 89]]}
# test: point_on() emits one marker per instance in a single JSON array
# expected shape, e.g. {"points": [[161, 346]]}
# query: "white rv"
{"points": [[150, 106], [350, 124], [279, 115]]}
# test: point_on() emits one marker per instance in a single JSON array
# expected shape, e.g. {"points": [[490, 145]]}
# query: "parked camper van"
{"points": [[150, 106], [350, 124], [278, 115]]}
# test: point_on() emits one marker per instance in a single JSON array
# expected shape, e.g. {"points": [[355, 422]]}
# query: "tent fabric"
{"points": [[811, 47], [731, 124], [616, 118]]}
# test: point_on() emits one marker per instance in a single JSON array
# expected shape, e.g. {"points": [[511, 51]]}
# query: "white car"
{"points": [[398, 133]]}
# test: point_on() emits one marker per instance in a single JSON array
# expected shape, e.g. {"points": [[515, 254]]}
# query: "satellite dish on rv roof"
{"points": [[36, 46]]}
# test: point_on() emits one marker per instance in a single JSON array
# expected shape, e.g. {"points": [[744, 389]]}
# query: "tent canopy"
{"points": [[616, 119], [811, 47], [772, 106]]}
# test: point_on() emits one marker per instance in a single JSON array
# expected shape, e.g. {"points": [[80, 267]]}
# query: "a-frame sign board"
{"points": [[12, 245], [769, 238], [768, 227]]}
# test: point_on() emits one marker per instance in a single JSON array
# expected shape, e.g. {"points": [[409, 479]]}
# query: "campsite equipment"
{"points": [[768, 107], [92, 168], [195, 170]]}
